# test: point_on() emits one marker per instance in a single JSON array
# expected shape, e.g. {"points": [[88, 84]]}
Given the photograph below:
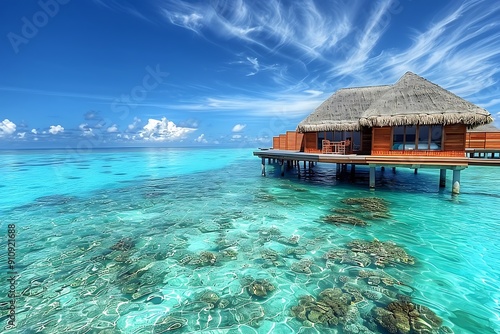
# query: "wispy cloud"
{"points": [[459, 49], [56, 93], [366, 39], [268, 24], [123, 6], [281, 105]]}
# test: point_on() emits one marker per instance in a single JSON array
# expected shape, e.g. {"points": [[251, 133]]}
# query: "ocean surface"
{"points": [[197, 241]]}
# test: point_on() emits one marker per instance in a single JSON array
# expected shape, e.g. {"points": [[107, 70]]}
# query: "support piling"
{"points": [[372, 177], [455, 190], [442, 178]]}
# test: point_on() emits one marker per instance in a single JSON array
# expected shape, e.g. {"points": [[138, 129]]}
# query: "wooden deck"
{"points": [[443, 163], [390, 161]]}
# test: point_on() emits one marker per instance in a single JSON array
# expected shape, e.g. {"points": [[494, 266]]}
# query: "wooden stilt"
{"points": [[282, 168], [382, 169], [415, 171], [394, 169], [298, 169], [455, 188], [442, 178], [263, 166]]}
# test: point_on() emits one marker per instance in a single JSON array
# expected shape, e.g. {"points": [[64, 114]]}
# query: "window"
{"points": [[417, 137], [321, 136], [356, 140], [398, 137], [423, 137], [436, 137], [338, 136], [410, 134]]}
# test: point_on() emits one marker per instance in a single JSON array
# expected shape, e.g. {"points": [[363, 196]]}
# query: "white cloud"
{"points": [[134, 124], [236, 137], [112, 128], [21, 134], [55, 129], [239, 127], [33, 131], [201, 139], [86, 130], [7, 128], [163, 130]]}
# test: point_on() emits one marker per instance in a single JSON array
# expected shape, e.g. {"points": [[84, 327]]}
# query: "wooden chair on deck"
{"points": [[326, 146], [341, 147]]}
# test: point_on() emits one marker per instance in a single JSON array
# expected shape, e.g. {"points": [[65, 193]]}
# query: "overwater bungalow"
{"points": [[412, 123]]}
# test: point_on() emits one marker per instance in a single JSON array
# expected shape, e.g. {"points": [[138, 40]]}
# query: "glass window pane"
{"points": [[321, 136], [410, 136], [398, 137], [436, 136], [423, 137], [356, 141], [338, 135]]}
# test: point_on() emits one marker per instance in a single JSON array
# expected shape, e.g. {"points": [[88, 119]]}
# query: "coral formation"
{"points": [[329, 309], [403, 316], [383, 253], [340, 219]]}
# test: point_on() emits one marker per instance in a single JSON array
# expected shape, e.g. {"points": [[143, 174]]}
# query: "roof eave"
{"points": [[469, 119]]}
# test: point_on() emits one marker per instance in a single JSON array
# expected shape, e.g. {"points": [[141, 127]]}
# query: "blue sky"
{"points": [[184, 73]]}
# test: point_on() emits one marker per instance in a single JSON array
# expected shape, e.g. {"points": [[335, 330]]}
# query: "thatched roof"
{"points": [[342, 110], [414, 100], [411, 101]]}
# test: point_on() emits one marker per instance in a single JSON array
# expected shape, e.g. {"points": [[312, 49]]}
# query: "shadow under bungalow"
{"points": [[413, 123]]}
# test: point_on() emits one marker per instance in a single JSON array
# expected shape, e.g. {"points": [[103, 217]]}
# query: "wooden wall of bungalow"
{"points": [[483, 140], [435, 140], [425, 140]]}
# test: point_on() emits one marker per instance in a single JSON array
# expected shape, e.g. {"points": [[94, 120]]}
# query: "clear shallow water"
{"points": [[135, 241]]}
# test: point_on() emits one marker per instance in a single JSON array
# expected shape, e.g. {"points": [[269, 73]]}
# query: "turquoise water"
{"points": [[154, 241]]}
